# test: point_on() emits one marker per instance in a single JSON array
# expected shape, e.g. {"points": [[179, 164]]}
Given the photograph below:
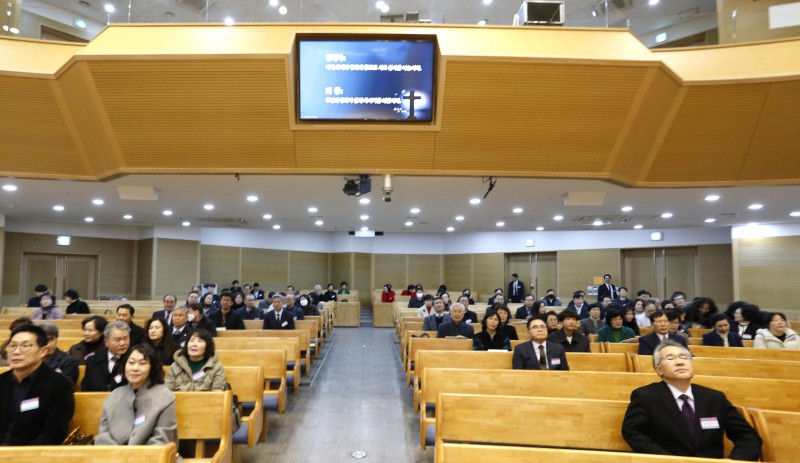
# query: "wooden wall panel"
{"points": [[768, 269], [391, 268], [12, 263], [751, 23], [220, 265], [268, 267], [307, 269], [488, 273], [577, 269], [117, 267], [716, 272], [2, 255], [144, 270], [458, 273], [547, 275], [362, 272], [341, 268], [177, 262], [425, 269]]}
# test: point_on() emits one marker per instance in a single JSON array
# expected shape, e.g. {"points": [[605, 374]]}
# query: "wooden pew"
{"points": [[734, 367], [248, 385], [348, 313], [780, 432], [290, 345], [459, 417], [621, 347], [744, 352], [201, 416], [91, 454], [416, 344], [312, 325], [302, 337], [466, 453], [65, 343], [772, 393], [272, 363], [382, 314], [611, 362], [699, 332]]}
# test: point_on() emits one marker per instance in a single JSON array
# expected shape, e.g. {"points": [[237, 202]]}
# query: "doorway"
{"points": [[538, 270], [59, 272], [661, 271]]}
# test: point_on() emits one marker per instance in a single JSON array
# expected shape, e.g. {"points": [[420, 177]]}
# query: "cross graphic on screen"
{"points": [[411, 97]]}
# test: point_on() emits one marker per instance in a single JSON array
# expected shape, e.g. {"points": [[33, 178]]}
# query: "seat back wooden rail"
{"points": [[465, 453], [248, 385], [744, 353], [290, 345], [416, 344], [733, 367], [780, 432], [91, 454], [273, 365]]}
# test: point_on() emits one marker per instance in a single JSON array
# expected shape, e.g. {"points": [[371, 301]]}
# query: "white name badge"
{"points": [[139, 420], [709, 423], [118, 379], [221, 328], [747, 336], [555, 362], [284, 323], [28, 405], [199, 375]]}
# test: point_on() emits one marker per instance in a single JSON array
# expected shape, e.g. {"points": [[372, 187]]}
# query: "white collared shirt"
{"points": [[676, 394]]}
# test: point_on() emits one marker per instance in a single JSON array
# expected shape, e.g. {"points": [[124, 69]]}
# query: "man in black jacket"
{"points": [[568, 336], [125, 314], [55, 358], [105, 370], [36, 403]]}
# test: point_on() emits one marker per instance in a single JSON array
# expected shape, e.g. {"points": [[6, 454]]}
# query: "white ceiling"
{"points": [[287, 198]]}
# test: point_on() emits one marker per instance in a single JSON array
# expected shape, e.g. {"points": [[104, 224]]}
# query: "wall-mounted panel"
{"points": [[458, 273], [715, 271], [307, 269], [145, 269], [426, 270], [177, 262], [341, 268], [219, 265], [268, 267], [767, 270], [488, 273], [577, 269], [391, 268]]}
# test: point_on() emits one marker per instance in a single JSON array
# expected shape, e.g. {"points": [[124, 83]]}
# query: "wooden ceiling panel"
{"points": [[710, 135], [38, 140], [167, 114], [775, 150], [350, 151], [533, 118]]}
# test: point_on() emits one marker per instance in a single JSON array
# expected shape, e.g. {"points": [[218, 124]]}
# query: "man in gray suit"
{"points": [[438, 316]]}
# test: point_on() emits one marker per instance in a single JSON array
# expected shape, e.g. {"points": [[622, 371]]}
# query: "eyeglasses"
{"points": [[23, 347], [538, 327], [672, 357]]}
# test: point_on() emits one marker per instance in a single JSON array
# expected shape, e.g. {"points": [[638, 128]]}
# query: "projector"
{"points": [[361, 186], [350, 187]]}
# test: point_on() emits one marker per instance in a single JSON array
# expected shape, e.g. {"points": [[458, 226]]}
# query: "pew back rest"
{"points": [[780, 432], [460, 417], [744, 352], [417, 344], [291, 345], [90, 454], [464, 453], [585, 361], [734, 367], [302, 336], [272, 362]]}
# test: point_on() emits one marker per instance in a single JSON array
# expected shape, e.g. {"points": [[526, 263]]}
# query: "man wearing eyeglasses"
{"points": [[539, 354], [36, 403], [676, 417]]}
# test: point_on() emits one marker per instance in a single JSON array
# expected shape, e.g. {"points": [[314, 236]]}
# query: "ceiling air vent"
{"points": [[198, 6], [233, 222]]}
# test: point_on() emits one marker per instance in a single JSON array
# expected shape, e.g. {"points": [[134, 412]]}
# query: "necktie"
{"points": [[114, 361], [688, 414], [542, 358]]}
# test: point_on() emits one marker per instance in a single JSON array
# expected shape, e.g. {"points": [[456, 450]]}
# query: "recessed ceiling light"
{"points": [[459, 218], [282, 10], [252, 198], [109, 8], [501, 224], [98, 202], [127, 217], [88, 219], [319, 223], [712, 198], [597, 223], [364, 201], [312, 209], [229, 21], [539, 228], [267, 216], [482, 22], [752, 224], [10, 187], [626, 208], [558, 218], [364, 228], [58, 208], [167, 212], [414, 210], [364, 217], [273, 3], [710, 220], [755, 207], [637, 227], [450, 229], [487, 2], [276, 227], [186, 223], [475, 201], [652, 2], [795, 214], [408, 223], [517, 210], [666, 215], [208, 207]]}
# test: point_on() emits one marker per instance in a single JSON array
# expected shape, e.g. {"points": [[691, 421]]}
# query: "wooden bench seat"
{"points": [[302, 337], [247, 383], [432, 344], [744, 352], [734, 367], [273, 365], [290, 345], [465, 453], [91, 454], [201, 416], [780, 432]]}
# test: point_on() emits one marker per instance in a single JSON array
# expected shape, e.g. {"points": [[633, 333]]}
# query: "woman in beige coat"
{"points": [[196, 367]]}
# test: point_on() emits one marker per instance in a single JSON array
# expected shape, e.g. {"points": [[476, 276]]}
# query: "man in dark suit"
{"points": [[648, 342], [279, 318], [181, 328], [456, 326], [539, 354], [125, 314], [606, 289], [722, 336], [676, 417], [226, 318], [516, 290], [469, 316], [105, 371], [36, 403], [55, 358], [257, 293], [568, 336], [169, 303], [527, 309]]}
